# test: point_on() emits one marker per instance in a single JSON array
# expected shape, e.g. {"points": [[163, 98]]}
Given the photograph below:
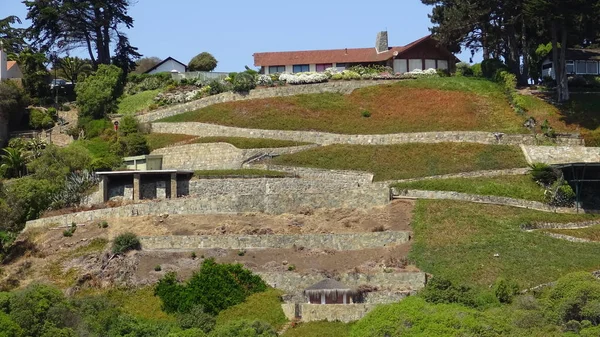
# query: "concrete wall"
{"points": [[266, 195], [325, 138], [482, 199], [350, 241], [331, 313], [561, 154], [215, 156], [340, 86]]}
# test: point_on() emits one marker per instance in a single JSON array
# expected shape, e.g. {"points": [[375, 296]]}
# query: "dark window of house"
{"points": [[341, 65], [276, 69], [301, 68], [322, 67], [547, 66]]}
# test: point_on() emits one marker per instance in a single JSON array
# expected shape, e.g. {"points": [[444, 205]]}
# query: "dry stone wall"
{"points": [[339, 87], [482, 199], [350, 241], [355, 178], [331, 313], [558, 225], [474, 174], [274, 196], [216, 156], [561, 154], [325, 138]]}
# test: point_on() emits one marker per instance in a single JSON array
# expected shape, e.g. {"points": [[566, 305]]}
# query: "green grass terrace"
{"points": [[510, 186], [459, 241], [162, 140], [404, 161], [429, 104]]}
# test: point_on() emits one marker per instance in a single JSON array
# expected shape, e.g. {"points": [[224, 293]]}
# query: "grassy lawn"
{"points": [[264, 306], [458, 240], [583, 113], [161, 140], [319, 329], [136, 103], [518, 186], [591, 233], [242, 173], [403, 161], [432, 104]]}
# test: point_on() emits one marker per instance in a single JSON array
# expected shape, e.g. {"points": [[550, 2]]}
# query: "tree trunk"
{"points": [[525, 49], [558, 67], [565, 95]]}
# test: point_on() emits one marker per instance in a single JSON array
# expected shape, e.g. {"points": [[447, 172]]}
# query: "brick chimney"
{"points": [[381, 45]]}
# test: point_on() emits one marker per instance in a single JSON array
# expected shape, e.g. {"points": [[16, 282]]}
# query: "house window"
{"points": [[443, 64], [570, 67], [276, 69], [301, 68], [592, 68], [321, 67], [430, 64], [415, 64], [580, 67]]}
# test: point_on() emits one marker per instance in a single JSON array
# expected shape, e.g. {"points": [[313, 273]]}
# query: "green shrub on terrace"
{"points": [[463, 69], [39, 119], [244, 82], [477, 71], [125, 242], [490, 67]]}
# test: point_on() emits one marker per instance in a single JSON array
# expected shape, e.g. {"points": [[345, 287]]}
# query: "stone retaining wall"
{"points": [[561, 154], [342, 87], [358, 178], [568, 238], [483, 199], [325, 138], [295, 283], [474, 174], [214, 196], [331, 313], [216, 156], [557, 225], [350, 241]]}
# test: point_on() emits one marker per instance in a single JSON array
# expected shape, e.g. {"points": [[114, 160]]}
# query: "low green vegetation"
{"points": [[517, 186], [474, 244], [321, 329], [591, 233], [125, 242], [241, 173], [265, 306], [137, 103], [394, 162], [161, 140]]}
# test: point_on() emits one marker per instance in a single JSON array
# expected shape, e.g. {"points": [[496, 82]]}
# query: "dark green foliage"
{"points": [[13, 162], [39, 119], [246, 329], [203, 62], [8, 328], [490, 67], [217, 87], [12, 101], [463, 69], [55, 163], [29, 197], [77, 186], [477, 71], [505, 290], [574, 297], [440, 290], [144, 82], [125, 242], [215, 286], [30, 308], [35, 75], [196, 318], [366, 114], [92, 127], [547, 130], [127, 125], [97, 95], [135, 145], [543, 173], [243, 82]]}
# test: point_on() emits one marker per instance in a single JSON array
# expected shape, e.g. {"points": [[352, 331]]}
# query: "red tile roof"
{"points": [[350, 55]]}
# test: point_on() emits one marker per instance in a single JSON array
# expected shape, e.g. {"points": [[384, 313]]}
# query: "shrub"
{"points": [[365, 113], [127, 125], [264, 80], [490, 67], [561, 194], [547, 130], [97, 95], [244, 82], [463, 69], [543, 173], [203, 62], [215, 287], [196, 318], [440, 290], [505, 290], [245, 328], [136, 144], [477, 71], [217, 87], [125, 242], [304, 78], [350, 75], [157, 267], [39, 119], [575, 297]]}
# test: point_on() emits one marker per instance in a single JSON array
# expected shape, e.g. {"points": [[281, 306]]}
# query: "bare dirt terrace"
{"points": [[85, 259]]}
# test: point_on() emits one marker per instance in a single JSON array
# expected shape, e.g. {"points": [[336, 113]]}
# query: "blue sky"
{"points": [[233, 30]]}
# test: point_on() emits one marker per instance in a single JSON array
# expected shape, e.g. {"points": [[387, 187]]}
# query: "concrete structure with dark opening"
{"points": [[139, 185], [329, 291]]}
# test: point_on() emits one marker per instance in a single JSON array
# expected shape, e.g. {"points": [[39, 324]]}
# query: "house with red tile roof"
{"points": [[8, 69], [421, 54]]}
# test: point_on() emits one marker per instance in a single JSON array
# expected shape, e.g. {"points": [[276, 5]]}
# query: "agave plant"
{"points": [[75, 189]]}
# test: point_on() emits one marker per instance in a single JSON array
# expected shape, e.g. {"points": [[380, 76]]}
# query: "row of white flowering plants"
{"points": [[335, 74]]}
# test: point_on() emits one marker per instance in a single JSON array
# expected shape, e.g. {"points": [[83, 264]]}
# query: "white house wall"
{"points": [[168, 67], [3, 70]]}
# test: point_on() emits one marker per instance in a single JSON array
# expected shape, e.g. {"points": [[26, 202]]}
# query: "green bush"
{"points": [[217, 87], [477, 71], [8, 328], [463, 69], [196, 318], [543, 173], [215, 287], [97, 95], [350, 75], [243, 82], [575, 297], [490, 67], [440, 290], [128, 125], [245, 328], [505, 290], [125, 242], [136, 145], [203, 62], [39, 119], [93, 127]]}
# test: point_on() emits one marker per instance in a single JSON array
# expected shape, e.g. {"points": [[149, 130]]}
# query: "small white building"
{"points": [[579, 62], [168, 65], [8, 69]]}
